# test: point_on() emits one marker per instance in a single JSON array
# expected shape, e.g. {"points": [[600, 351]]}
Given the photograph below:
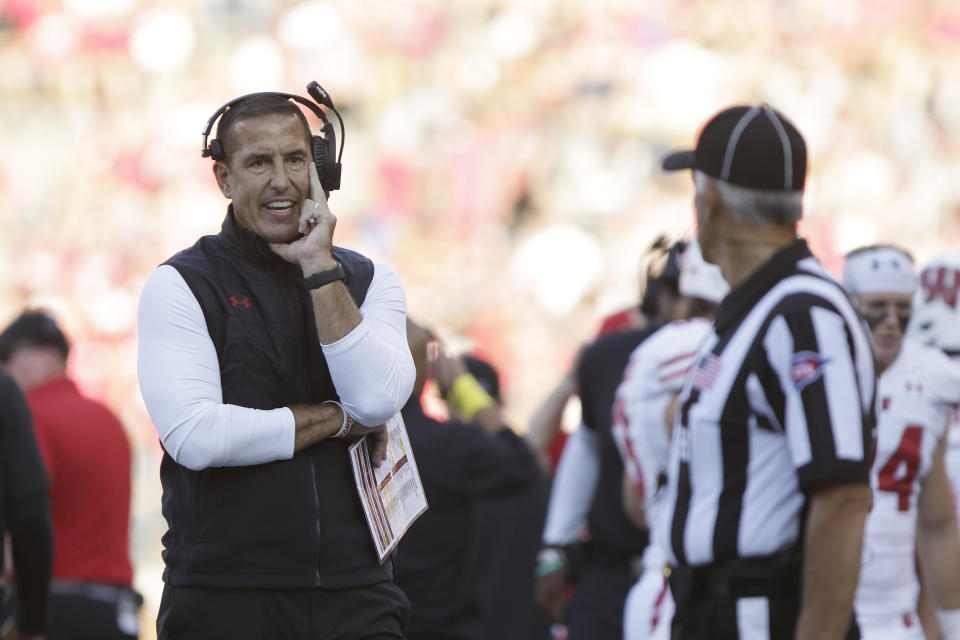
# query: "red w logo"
{"points": [[245, 301], [935, 285]]}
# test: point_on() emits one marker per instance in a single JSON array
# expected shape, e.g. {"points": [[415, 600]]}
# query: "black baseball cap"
{"points": [[32, 328], [485, 374], [752, 146]]}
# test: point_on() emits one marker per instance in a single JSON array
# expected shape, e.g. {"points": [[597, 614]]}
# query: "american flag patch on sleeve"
{"points": [[706, 371]]}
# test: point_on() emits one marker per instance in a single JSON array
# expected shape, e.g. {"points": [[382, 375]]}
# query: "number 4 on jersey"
{"points": [[908, 454]]}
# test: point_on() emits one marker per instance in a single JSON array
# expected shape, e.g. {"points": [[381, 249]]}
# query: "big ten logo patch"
{"points": [[941, 283], [806, 368]]}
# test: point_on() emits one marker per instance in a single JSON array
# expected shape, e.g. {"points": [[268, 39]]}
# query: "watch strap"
{"points": [[321, 278]]}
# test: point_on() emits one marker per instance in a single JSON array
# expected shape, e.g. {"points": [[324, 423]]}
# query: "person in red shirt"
{"points": [[87, 456]]}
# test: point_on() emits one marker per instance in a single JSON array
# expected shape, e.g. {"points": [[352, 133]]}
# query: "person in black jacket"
{"points": [[508, 531], [460, 461], [25, 514], [262, 351]]}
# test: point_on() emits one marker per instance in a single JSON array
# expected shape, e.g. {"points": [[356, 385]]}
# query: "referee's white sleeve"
{"points": [[179, 378], [574, 485]]}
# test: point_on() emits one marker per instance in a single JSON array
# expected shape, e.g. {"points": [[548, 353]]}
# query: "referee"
{"points": [[768, 487]]}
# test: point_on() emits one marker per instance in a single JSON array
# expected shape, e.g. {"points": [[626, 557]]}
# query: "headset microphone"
{"points": [[325, 154], [320, 95]]}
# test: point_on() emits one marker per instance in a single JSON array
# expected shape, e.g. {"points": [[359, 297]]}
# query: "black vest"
{"points": [[284, 524]]}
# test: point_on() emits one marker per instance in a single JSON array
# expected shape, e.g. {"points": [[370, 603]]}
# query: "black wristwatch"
{"points": [[321, 278]]}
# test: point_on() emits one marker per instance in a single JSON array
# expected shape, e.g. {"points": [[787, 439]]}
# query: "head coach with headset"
{"points": [[768, 478], [263, 350]]}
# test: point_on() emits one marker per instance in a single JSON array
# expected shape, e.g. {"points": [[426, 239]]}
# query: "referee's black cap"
{"points": [[32, 328], [752, 146]]}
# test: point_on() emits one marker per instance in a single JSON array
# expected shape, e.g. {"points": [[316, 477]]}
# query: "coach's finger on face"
{"points": [[310, 212], [316, 189]]}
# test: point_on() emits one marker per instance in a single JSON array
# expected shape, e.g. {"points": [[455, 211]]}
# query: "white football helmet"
{"points": [[699, 278], [936, 305]]}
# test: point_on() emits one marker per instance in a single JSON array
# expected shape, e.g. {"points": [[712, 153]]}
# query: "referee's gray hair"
{"points": [[755, 206]]}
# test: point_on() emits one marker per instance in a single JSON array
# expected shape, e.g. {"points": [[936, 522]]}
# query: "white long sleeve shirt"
{"points": [[179, 375], [574, 486]]}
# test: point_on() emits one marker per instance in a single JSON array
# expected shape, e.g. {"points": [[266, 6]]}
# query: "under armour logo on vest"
{"points": [[236, 302]]}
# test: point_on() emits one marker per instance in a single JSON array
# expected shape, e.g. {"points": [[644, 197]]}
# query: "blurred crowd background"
{"points": [[502, 155]]}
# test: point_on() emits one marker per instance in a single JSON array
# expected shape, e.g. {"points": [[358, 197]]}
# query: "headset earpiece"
{"points": [[325, 157], [319, 155], [216, 150], [321, 158]]}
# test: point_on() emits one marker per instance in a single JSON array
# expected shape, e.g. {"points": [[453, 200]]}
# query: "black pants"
{"points": [[84, 611], [85, 617], [756, 598], [596, 610], [372, 612], [715, 618], [719, 618]]}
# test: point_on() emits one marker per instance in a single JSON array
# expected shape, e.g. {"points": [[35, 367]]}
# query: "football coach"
{"points": [[262, 351], [768, 488]]}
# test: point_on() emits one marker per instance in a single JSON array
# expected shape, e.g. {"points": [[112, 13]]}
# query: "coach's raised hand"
{"points": [[313, 251]]}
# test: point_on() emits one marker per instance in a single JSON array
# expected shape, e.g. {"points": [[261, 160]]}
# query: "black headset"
{"points": [[663, 269], [325, 154]]}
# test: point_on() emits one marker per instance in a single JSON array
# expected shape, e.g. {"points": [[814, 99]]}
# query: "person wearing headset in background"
{"points": [[263, 350], [642, 418], [587, 538]]}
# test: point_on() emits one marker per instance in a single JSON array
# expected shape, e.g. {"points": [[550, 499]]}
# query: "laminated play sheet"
{"points": [[392, 494]]}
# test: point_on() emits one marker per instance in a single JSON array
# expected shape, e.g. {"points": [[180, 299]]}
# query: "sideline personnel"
{"points": [[260, 348], [768, 484], [87, 455], [641, 427], [935, 321], [587, 491], [473, 455], [25, 514], [912, 516]]}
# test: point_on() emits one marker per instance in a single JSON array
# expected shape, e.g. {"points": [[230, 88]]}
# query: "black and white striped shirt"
{"points": [[779, 400]]}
